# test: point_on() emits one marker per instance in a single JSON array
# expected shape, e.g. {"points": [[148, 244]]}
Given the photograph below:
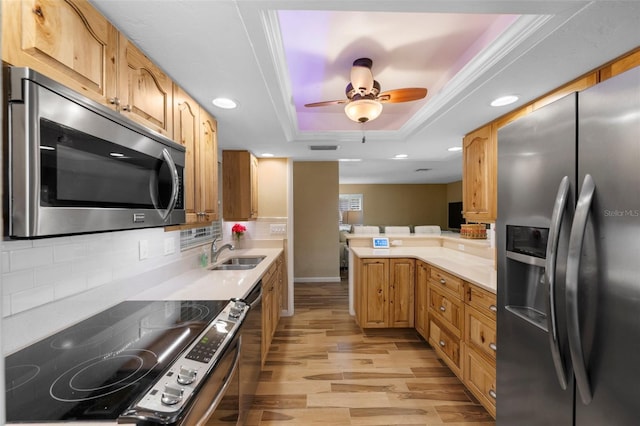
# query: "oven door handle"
{"points": [[223, 390], [175, 184]]}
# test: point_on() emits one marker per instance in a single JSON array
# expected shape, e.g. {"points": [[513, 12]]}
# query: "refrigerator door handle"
{"points": [[550, 277], [573, 267]]}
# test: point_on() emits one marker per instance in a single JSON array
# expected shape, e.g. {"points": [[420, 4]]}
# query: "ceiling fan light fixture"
{"points": [[363, 110]]}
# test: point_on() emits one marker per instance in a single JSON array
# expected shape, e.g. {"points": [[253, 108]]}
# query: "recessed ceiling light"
{"points": [[504, 100], [455, 149], [347, 160], [267, 154], [116, 154], [400, 156], [225, 103]]}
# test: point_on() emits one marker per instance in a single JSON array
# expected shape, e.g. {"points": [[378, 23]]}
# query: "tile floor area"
{"points": [[323, 369]]}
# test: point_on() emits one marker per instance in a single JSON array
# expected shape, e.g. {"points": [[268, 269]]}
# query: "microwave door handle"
{"points": [[550, 277], [573, 268], [175, 187]]}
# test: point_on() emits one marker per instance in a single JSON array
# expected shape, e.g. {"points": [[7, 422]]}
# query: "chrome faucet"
{"points": [[215, 251]]}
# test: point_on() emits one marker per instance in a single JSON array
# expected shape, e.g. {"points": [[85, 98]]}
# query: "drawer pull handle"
{"points": [[492, 394], [443, 281], [493, 346], [443, 309], [442, 343], [493, 308]]}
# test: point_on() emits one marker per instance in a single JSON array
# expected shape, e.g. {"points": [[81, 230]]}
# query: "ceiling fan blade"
{"points": [[361, 76], [403, 95], [325, 103]]}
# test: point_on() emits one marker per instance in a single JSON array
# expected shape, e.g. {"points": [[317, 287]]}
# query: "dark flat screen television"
{"points": [[455, 216]]}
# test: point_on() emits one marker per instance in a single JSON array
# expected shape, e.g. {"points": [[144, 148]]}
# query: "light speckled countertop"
{"points": [[204, 284], [471, 268]]}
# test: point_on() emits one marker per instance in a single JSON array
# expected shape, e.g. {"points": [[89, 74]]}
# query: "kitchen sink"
{"points": [[244, 260], [239, 263], [234, 267]]}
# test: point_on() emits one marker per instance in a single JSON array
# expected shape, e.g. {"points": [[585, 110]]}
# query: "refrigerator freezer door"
{"points": [[535, 153], [609, 280]]}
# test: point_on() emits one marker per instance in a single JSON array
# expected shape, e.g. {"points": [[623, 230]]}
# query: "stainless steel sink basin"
{"points": [[254, 260], [234, 267], [239, 263]]}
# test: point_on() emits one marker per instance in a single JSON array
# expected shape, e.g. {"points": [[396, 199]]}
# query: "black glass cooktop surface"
{"points": [[96, 368]]}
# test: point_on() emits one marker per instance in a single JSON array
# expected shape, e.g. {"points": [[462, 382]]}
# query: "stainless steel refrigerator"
{"points": [[568, 241]]}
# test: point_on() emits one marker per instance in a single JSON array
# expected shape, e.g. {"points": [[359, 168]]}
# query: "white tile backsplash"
{"points": [[37, 272]]}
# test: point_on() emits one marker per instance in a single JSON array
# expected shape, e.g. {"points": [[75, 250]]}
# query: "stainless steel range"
{"points": [[139, 361]]}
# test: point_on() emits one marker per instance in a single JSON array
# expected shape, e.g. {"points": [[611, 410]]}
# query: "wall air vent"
{"points": [[422, 170], [323, 147]]}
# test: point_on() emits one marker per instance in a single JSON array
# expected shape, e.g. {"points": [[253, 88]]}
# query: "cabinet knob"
{"points": [[114, 101], [443, 309], [493, 308], [126, 108], [443, 281], [492, 394], [493, 346], [442, 343]]}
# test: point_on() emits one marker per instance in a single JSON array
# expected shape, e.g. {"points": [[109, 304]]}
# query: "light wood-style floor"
{"points": [[323, 369]]}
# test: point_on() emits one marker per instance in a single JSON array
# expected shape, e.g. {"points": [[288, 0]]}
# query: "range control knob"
{"points": [[186, 376], [236, 309], [171, 395]]}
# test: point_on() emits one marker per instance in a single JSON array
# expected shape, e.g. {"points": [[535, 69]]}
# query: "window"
{"points": [[351, 209]]}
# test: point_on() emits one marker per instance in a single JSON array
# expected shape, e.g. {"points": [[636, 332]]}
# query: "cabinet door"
{"points": [[144, 91], [68, 41], [479, 175], [375, 293], [480, 378], [401, 292], [253, 214], [208, 160], [481, 332], [447, 309], [421, 302], [186, 133], [446, 346]]}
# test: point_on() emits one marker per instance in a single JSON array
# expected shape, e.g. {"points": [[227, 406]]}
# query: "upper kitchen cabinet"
{"points": [[479, 175], [68, 41], [197, 131], [239, 185], [144, 91]]}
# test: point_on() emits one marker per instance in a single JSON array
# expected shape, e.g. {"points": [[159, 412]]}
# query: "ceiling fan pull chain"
{"points": [[363, 137]]}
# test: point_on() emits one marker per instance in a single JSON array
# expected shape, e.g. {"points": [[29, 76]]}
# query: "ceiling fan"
{"points": [[364, 99]]}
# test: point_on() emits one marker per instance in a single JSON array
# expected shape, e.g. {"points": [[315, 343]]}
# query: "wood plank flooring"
{"points": [[323, 369]]}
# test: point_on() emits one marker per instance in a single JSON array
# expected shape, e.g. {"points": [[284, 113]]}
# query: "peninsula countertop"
{"points": [[474, 269]]}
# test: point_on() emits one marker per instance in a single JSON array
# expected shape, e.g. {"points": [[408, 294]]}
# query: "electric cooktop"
{"points": [[96, 368]]}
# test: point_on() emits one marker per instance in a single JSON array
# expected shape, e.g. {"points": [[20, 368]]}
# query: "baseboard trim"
{"points": [[316, 280]]}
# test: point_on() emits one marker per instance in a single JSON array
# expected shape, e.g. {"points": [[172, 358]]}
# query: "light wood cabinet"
{"points": [[272, 287], [446, 346], [479, 175], [239, 185], [68, 41], [481, 346], [421, 299], [144, 90], [385, 293], [196, 130]]}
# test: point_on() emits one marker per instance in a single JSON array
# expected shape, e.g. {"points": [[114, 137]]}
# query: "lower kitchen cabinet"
{"points": [[480, 379], [271, 295], [384, 292], [421, 299], [446, 345], [481, 346]]}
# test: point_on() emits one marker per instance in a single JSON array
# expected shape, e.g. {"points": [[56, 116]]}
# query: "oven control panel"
{"points": [[173, 391]]}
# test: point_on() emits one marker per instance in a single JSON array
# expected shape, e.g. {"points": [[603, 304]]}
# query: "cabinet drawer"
{"points": [[481, 332], [480, 378], [446, 345], [448, 310], [445, 280], [483, 301]]}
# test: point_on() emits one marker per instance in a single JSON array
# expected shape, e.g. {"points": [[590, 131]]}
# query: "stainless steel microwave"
{"points": [[75, 166]]}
